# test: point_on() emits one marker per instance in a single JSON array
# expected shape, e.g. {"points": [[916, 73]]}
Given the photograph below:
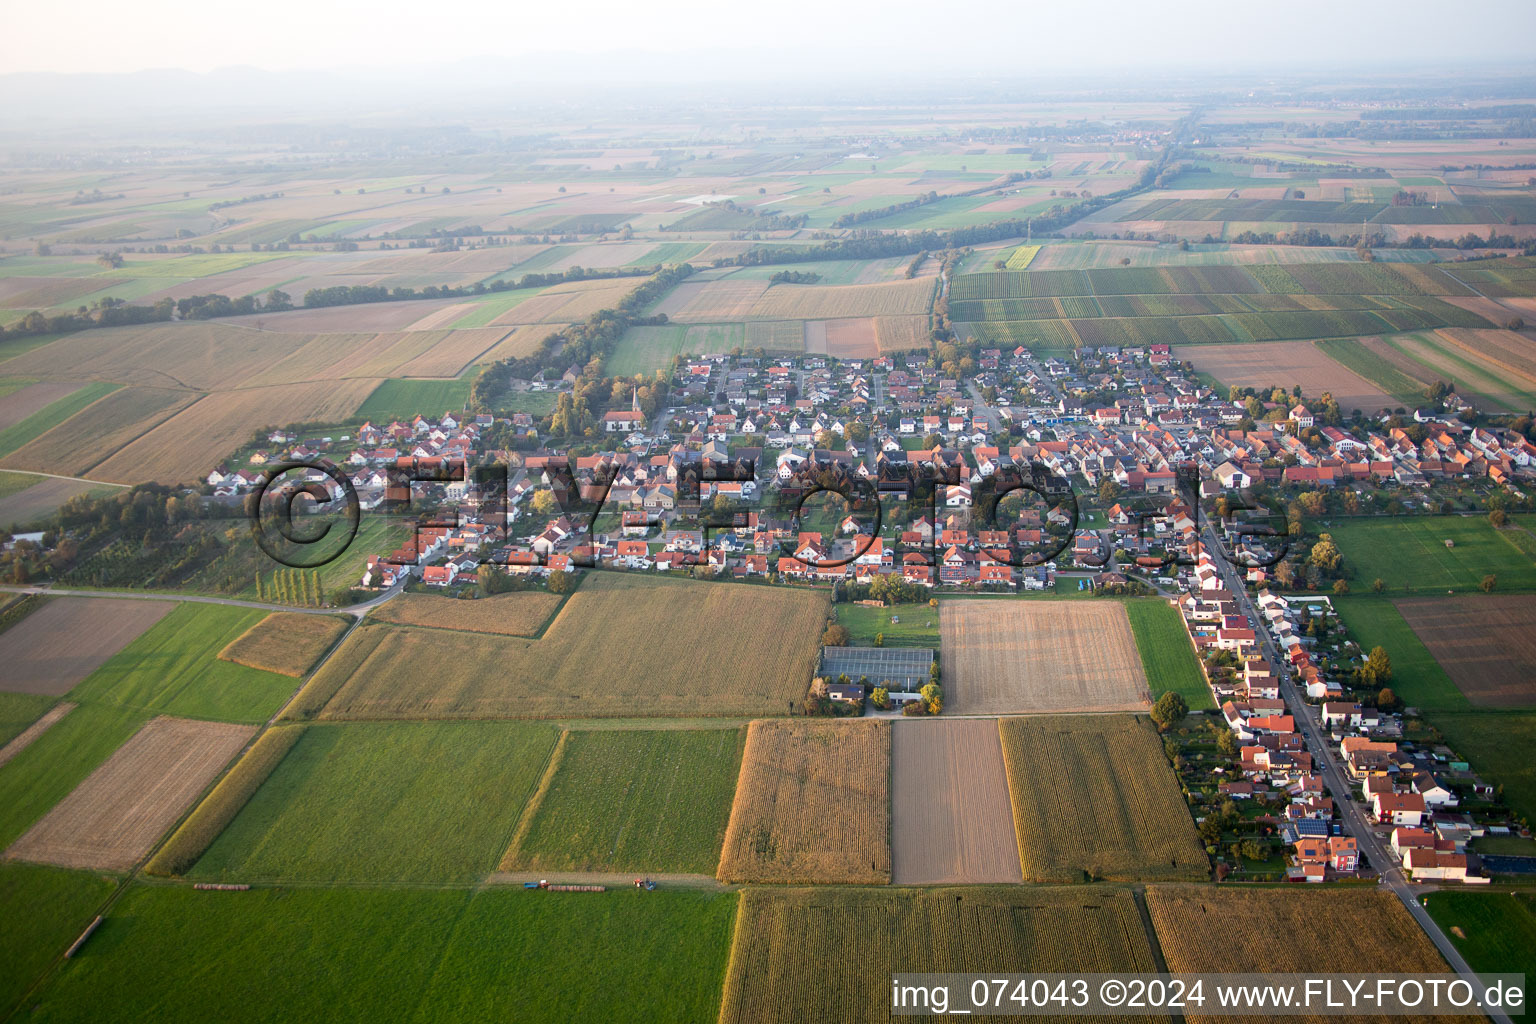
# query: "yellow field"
{"points": [[286, 642], [94, 433], [518, 614], [1094, 797], [812, 804], [195, 440], [1021, 257], [621, 646], [817, 302], [827, 954]]}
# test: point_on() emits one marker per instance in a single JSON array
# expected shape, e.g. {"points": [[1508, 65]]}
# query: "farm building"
{"points": [[906, 669]]}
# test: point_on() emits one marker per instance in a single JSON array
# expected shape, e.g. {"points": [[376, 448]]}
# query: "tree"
{"points": [[1226, 743], [1377, 670], [1169, 710], [879, 639], [1379, 585], [1386, 700], [1340, 587], [932, 441], [1252, 849], [1109, 492], [1497, 518], [835, 636], [880, 697], [1325, 554], [1489, 582], [933, 696], [491, 580], [544, 502], [561, 582], [1210, 830]]}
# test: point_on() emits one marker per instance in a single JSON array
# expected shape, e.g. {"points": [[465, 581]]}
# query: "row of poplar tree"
{"points": [[292, 586]]}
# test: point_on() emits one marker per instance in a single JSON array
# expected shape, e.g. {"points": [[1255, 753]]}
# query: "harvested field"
{"points": [[116, 815], [523, 341], [1487, 644], [1507, 351], [32, 398], [826, 954], [571, 302], [73, 447], [1284, 364], [516, 614], [370, 316], [286, 642], [901, 333], [1348, 929], [852, 339], [1093, 797], [442, 317], [42, 499], [621, 646], [189, 444], [67, 639], [776, 335], [716, 300], [814, 302], [812, 804], [951, 820], [24, 739], [1020, 656], [1484, 383]]}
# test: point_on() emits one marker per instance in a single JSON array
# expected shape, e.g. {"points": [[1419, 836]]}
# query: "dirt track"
{"points": [[951, 819], [113, 818], [1022, 656], [25, 738]]}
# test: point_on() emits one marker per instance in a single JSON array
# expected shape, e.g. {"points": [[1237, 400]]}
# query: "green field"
{"points": [[493, 306], [385, 803], [19, 710], [44, 910], [15, 483], [627, 800], [174, 669], [1167, 656], [1409, 554], [1498, 745], [42, 774], [398, 399], [1498, 929], [1416, 676], [1349, 353], [398, 955], [18, 434], [919, 625], [648, 349]]}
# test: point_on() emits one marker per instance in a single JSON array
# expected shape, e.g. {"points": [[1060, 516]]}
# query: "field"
{"points": [[1349, 929], [648, 349], [21, 399], [288, 643], [78, 444], [64, 641], [1408, 553], [919, 625], [397, 399], [1167, 656], [1006, 657], [397, 955], [18, 736], [74, 398], [1416, 676], [113, 818], [812, 804], [515, 614], [1495, 931], [41, 498], [1487, 644], [1498, 745], [19, 711], [631, 800], [950, 813], [429, 802], [1094, 797], [827, 954], [44, 909], [45, 771], [174, 668], [602, 656], [1284, 364]]}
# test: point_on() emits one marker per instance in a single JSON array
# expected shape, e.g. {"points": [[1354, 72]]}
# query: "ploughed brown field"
{"points": [[113, 818], [23, 402], [1018, 656], [951, 820], [1263, 364], [67, 639], [1486, 644], [812, 804], [1289, 930]]}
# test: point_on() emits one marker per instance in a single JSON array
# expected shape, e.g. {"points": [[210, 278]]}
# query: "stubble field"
{"points": [[1018, 656], [67, 639], [1093, 797], [516, 614], [288, 643], [812, 804]]}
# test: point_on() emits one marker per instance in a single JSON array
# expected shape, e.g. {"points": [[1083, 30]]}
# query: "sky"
{"points": [[792, 36]]}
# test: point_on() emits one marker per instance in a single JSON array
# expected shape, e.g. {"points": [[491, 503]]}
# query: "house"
{"points": [[846, 693], [1398, 808], [439, 575]]}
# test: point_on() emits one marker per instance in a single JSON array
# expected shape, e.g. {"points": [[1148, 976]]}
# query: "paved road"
{"points": [[359, 610], [1324, 757]]}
